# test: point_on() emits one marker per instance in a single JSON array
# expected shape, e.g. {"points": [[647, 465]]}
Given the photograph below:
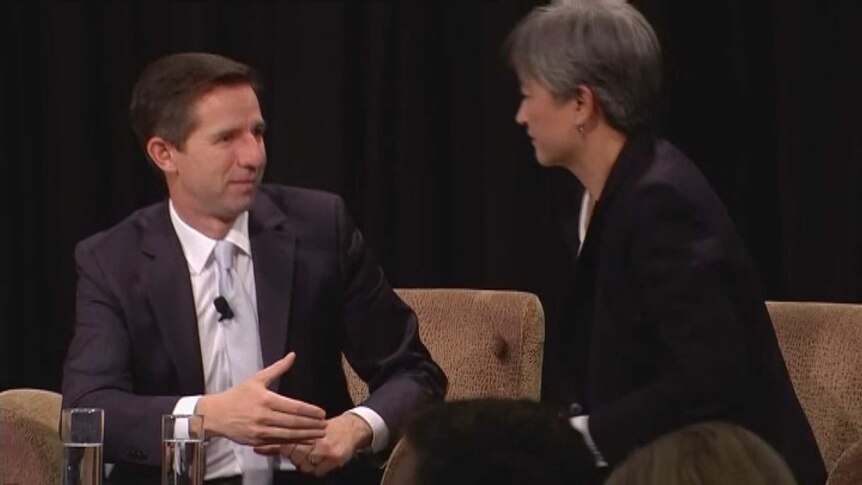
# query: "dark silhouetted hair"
{"points": [[496, 441]]}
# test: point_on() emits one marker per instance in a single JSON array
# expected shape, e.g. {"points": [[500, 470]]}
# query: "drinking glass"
{"points": [[82, 431], [182, 449]]}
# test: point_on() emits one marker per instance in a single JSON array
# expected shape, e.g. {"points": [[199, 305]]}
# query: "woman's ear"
{"points": [[588, 112]]}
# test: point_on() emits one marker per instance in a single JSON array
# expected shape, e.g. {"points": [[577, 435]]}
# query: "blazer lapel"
{"points": [[168, 289], [273, 246], [633, 159]]}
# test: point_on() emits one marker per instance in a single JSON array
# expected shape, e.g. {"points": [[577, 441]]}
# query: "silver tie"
{"points": [[242, 341]]}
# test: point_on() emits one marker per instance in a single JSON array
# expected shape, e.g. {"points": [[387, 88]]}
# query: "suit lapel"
{"points": [[273, 246], [168, 289]]}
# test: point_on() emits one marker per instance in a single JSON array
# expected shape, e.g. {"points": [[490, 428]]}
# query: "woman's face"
{"points": [[550, 122]]}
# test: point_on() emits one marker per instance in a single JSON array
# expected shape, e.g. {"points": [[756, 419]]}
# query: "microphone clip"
{"points": [[223, 309]]}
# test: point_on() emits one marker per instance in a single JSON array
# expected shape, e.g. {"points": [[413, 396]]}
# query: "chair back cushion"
{"points": [[36, 404], [489, 343], [821, 345], [848, 468], [30, 448]]}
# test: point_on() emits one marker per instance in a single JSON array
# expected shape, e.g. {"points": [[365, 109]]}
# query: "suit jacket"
{"points": [[320, 292], [668, 322]]}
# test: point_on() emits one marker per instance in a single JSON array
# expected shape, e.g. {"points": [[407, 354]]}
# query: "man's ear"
{"points": [[161, 152]]}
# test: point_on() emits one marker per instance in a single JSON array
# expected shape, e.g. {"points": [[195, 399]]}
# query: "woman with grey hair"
{"points": [[669, 325]]}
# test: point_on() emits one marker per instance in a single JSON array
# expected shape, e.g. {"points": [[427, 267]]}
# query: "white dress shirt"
{"points": [[584, 219], [221, 453]]}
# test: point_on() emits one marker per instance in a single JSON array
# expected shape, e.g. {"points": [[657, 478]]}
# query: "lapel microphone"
{"points": [[222, 308]]}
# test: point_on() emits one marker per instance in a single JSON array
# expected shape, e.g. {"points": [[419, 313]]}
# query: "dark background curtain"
{"points": [[406, 109]]}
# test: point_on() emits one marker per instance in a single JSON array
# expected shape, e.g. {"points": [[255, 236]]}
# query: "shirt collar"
{"points": [[197, 247]]}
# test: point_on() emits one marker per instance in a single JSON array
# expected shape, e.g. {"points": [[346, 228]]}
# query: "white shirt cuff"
{"points": [[379, 430], [186, 405], [582, 424]]}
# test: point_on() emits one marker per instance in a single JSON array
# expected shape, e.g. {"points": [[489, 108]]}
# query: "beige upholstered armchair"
{"points": [[30, 448], [489, 344], [822, 345]]}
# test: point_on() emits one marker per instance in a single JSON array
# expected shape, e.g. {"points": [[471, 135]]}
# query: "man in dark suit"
{"points": [[668, 324], [190, 305]]}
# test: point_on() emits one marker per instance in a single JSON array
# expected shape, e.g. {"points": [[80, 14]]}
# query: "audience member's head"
{"points": [[491, 441], [704, 454]]}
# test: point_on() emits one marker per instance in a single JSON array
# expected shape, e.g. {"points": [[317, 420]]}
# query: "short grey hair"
{"points": [[604, 44]]}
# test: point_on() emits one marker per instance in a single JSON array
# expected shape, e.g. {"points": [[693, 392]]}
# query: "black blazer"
{"points": [[320, 292], [668, 322]]}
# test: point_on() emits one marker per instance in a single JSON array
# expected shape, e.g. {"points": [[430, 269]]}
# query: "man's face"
{"points": [[550, 123], [219, 168]]}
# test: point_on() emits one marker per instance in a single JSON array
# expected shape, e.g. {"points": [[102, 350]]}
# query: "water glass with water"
{"points": [[82, 432], [182, 449]]}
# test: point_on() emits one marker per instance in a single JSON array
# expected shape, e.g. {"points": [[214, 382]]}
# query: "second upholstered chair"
{"points": [[489, 343], [821, 343], [30, 448]]}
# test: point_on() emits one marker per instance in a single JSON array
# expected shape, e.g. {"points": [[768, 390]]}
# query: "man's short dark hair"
{"points": [[167, 89], [496, 441]]}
